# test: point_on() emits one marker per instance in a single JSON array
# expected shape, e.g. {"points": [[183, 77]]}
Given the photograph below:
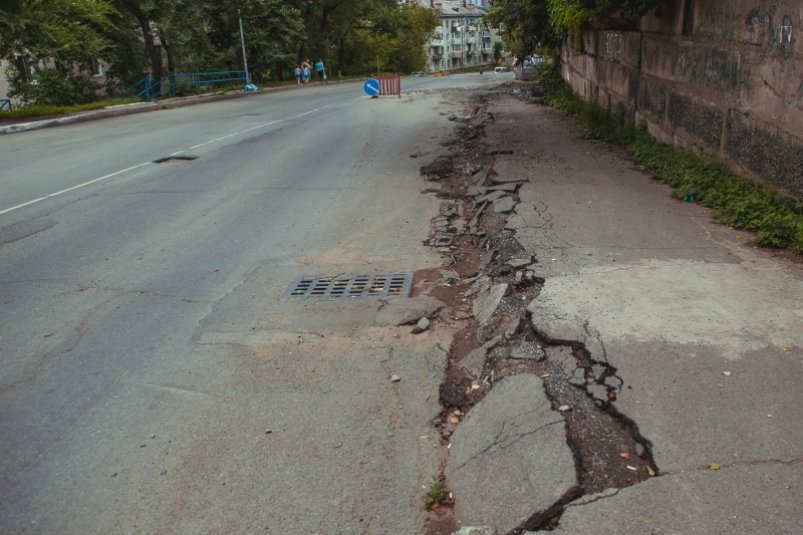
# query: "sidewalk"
{"points": [[696, 335]]}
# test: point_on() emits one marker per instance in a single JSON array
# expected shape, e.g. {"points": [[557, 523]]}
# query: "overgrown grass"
{"points": [[740, 203], [38, 110]]}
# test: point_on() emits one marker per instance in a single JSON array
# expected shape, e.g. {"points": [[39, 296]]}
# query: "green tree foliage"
{"points": [[63, 30], [526, 24], [65, 33], [57, 88], [415, 25], [360, 36]]}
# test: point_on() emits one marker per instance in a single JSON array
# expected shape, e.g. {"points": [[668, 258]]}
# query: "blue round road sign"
{"points": [[371, 87]]}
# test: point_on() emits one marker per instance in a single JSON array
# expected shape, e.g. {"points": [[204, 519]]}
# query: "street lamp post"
{"points": [[242, 43]]}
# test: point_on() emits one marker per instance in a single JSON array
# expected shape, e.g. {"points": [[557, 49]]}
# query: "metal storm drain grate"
{"points": [[345, 286]]}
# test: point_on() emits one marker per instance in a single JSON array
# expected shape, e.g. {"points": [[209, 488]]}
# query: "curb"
{"points": [[123, 109]]}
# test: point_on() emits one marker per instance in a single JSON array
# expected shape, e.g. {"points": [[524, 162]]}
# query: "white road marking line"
{"points": [[205, 143], [257, 127], [110, 175], [78, 186]]}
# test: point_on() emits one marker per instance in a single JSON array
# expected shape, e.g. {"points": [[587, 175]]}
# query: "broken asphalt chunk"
{"points": [[421, 326], [490, 197], [504, 205], [511, 445]]}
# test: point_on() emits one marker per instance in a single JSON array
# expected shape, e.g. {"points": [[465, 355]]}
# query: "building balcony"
{"points": [[436, 43], [457, 54], [471, 40]]}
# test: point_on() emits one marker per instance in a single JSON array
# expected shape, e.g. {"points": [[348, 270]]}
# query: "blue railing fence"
{"points": [[175, 83]]}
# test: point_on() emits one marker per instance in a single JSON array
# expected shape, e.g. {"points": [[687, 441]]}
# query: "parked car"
{"points": [[418, 73], [500, 69]]}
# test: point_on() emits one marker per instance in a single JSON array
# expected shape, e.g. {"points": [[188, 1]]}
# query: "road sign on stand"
{"points": [[371, 87]]}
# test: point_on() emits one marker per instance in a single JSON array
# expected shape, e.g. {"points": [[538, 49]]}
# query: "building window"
{"points": [[97, 68], [25, 66]]}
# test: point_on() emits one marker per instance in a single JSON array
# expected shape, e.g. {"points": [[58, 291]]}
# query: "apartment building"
{"points": [[462, 39]]}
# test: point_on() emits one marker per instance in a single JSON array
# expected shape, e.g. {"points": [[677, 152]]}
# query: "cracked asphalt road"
{"points": [[605, 296]]}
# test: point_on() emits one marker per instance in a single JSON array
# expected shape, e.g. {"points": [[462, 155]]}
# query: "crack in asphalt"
{"points": [[505, 442], [71, 344], [733, 465], [590, 398]]}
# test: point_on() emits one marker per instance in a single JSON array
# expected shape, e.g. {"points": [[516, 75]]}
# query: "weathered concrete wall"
{"points": [[724, 78]]}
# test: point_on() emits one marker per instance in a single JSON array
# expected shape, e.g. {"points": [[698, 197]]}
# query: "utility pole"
{"points": [[242, 43]]}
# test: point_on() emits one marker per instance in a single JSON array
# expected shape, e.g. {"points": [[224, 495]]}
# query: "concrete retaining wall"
{"points": [[724, 78]]}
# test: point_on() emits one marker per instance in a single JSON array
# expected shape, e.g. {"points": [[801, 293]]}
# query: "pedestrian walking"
{"points": [[319, 69], [297, 72], [306, 71]]}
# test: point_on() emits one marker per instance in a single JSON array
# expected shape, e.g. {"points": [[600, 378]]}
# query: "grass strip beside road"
{"points": [[37, 111], [738, 202]]}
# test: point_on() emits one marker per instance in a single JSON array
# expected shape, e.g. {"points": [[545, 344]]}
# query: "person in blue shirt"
{"points": [[320, 70]]}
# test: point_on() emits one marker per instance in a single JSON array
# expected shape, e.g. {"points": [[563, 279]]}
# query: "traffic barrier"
{"points": [[389, 84]]}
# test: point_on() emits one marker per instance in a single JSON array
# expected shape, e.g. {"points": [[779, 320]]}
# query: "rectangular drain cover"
{"points": [[345, 286]]}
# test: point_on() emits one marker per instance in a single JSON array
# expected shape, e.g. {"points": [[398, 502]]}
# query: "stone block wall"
{"points": [[724, 78]]}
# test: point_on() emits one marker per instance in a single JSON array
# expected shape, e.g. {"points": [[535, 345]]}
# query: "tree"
{"points": [[528, 23], [272, 29], [144, 13], [63, 33], [525, 24], [64, 30], [412, 30]]}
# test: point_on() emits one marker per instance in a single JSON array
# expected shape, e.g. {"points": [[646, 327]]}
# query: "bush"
{"points": [[54, 88]]}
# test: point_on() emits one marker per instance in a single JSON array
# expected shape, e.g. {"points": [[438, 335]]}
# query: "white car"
{"points": [[500, 69]]}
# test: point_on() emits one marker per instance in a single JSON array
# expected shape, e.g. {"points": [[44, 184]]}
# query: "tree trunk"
{"points": [[153, 53], [169, 52]]}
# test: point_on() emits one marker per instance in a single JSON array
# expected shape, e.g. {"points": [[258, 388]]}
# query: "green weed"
{"points": [[437, 495]]}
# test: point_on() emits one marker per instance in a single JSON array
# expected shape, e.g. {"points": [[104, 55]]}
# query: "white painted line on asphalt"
{"points": [[205, 143], [110, 175], [72, 188], [257, 127], [264, 125]]}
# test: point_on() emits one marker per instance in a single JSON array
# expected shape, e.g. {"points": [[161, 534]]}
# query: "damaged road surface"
{"points": [[204, 347], [620, 368]]}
